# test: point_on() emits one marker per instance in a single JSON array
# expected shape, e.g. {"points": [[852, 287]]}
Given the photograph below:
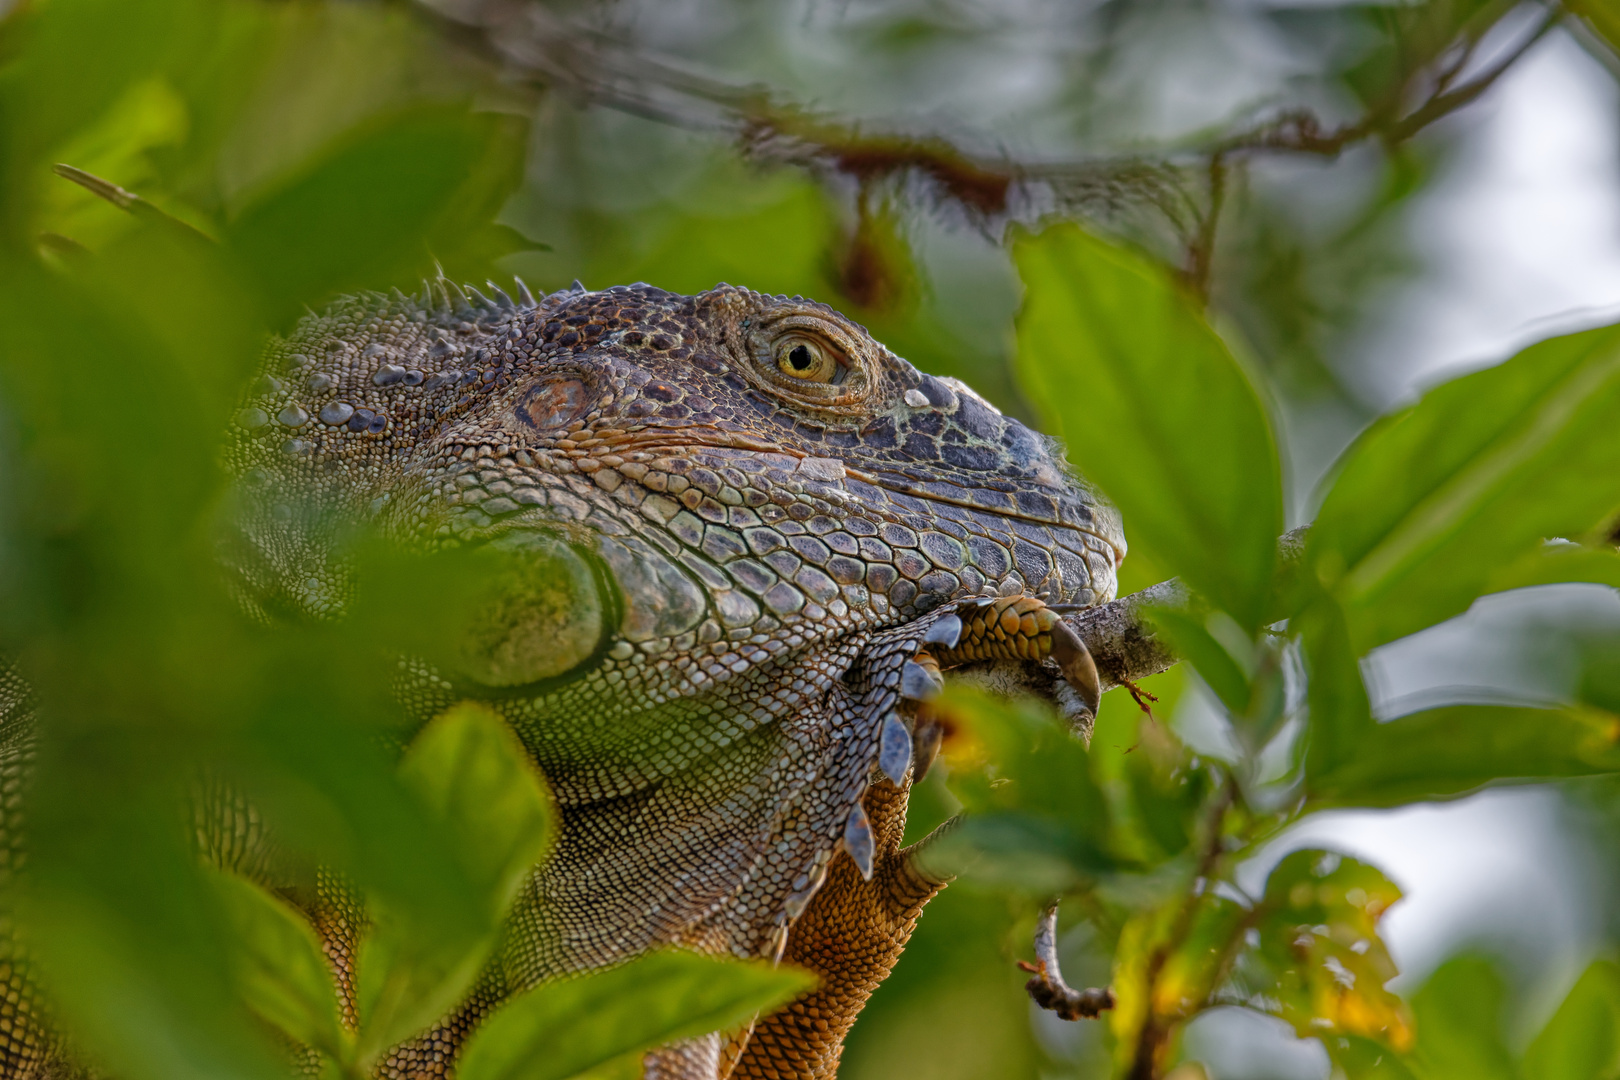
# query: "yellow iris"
{"points": [[804, 358]]}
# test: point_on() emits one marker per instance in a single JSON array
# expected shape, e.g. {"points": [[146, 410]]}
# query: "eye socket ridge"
{"points": [[810, 359]]}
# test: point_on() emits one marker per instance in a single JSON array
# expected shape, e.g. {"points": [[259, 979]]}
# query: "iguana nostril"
{"points": [[553, 403]]}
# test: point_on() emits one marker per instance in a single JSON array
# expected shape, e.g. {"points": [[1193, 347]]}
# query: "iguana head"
{"points": [[702, 468]]}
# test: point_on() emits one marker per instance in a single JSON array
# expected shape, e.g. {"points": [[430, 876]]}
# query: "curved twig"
{"points": [[1047, 989]]}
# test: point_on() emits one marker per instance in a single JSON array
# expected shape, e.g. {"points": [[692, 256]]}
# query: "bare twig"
{"points": [[1047, 989]]}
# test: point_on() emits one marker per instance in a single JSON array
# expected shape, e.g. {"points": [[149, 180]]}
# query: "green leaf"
{"points": [[69, 62], [1319, 936], [361, 216], [1604, 19], [1459, 1014], [1443, 753], [470, 772], [325, 786], [1139, 939], [1582, 1040], [281, 971], [1156, 410], [1431, 501], [1196, 968], [559, 1029], [1012, 850], [1559, 564], [1366, 1059], [1166, 793]]}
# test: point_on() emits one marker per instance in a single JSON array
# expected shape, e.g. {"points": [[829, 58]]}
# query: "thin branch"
{"points": [[1121, 637], [1446, 102], [1201, 252], [1152, 1036]]}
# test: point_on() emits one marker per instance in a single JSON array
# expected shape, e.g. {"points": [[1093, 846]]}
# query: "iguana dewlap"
{"points": [[747, 538]]}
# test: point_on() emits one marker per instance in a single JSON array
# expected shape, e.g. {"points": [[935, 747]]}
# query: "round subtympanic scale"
{"points": [[552, 403]]}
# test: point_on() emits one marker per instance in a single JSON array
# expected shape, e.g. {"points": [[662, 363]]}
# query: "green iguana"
{"points": [[758, 538]]}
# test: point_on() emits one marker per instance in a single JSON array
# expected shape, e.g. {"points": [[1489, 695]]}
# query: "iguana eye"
{"points": [[810, 357], [810, 360]]}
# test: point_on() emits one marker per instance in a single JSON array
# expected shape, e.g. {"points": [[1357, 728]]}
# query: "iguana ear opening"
{"points": [[548, 614]]}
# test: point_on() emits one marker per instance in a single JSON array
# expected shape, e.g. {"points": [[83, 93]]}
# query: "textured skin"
{"points": [[25, 1046], [749, 565], [851, 936]]}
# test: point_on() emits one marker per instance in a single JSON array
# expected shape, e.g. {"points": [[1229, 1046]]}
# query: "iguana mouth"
{"points": [[706, 438]]}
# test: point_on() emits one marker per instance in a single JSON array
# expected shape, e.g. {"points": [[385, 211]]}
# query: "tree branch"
{"points": [[1121, 637], [591, 66]]}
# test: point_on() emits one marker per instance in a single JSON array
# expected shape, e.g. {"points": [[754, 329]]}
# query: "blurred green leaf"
{"points": [[1431, 501], [328, 789], [1167, 790], [193, 299], [557, 1030], [117, 148], [1600, 674], [1319, 935], [1558, 564], [1013, 850], [1603, 16], [361, 216], [768, 233], [280, 969], [406, 980], [1459, 1014], [471, 774], [1366, 1059], [1142, 937], [1582, 1040], [128, 936], [1193, 971], [1340, 718], [469, 769], [1032, 800], [69, 62], [1441, 753], [1156, 410], [1245, 675]]}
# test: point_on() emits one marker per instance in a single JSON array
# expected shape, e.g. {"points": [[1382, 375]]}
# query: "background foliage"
{"points": [[923, 167]]}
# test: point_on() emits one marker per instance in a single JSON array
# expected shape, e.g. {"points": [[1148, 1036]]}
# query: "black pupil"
{"points": [[800, 358]]}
